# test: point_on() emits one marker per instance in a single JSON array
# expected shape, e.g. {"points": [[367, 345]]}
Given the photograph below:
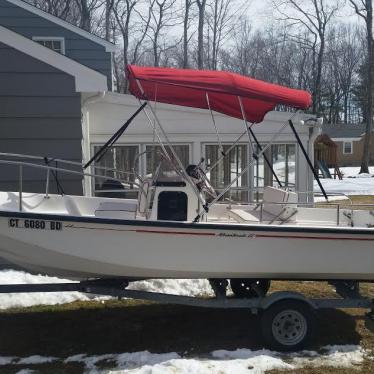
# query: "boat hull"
{"points": [[88, 247]]}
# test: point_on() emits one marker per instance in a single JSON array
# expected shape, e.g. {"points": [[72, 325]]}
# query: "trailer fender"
{"points": [[273, 298]]}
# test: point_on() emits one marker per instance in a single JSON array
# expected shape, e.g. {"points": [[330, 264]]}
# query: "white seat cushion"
{"points": [[273, 199]]}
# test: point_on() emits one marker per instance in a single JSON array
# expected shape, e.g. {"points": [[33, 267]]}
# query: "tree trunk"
{"points": [[317, 90], [185, 33], [85, 15], [369, 103], [108, 12], [200, 34]]}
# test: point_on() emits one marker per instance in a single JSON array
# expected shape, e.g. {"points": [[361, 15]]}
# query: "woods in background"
{"points": [[309, 46]]}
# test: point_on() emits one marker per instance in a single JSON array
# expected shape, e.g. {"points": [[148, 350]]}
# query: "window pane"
{"points": [[284, 163], [347, 147], [227, 169], [55, 45], [154, 157], [122, 158], [48, 44]]}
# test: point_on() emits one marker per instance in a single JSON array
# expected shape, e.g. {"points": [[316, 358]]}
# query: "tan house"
{"points": [[350, 142]]}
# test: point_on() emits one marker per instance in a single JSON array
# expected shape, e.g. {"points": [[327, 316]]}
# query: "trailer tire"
{"points": [[288, 325]]}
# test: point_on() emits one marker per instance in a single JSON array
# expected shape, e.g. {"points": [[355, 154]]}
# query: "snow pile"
{"points": [[221, 361], [337, 356], [238, 361], [14, 300], [36, 359], [185, 287], [353, 172]]}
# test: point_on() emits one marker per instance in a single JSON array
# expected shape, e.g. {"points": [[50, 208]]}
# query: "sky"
{"points": [[262, 13]]}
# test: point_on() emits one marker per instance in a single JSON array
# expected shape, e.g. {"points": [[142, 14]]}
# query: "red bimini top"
{"points": [[193, 88]]}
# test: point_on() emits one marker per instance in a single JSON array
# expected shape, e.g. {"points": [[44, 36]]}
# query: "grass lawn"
{"points": [[115, 326], [353, 200]]}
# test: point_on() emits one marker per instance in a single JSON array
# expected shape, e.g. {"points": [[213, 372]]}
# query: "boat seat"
{"points": [[123, 210], [243, 216], [277, 206]]}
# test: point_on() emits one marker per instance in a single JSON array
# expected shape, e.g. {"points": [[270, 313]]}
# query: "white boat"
{"points": [[178, 227]]}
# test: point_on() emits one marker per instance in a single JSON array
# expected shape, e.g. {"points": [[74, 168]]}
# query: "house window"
{"points": [[154, 157], [122, 159], [226, 170], [57, 44], [282, 159], [347, 148]]}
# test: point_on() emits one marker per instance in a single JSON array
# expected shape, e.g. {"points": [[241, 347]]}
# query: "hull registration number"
{"points": [[36, 224]]}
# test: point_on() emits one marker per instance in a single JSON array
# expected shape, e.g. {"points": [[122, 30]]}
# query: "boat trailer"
{"points": [[288, 320]]}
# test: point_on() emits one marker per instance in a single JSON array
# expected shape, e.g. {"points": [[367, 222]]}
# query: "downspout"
{"points": [[86, 144]]}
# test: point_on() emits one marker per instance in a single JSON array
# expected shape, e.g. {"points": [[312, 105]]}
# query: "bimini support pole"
{"points": [[197, 218], [215, 126], [181, 170], [250, 132], [101, 152], [308, 159], [266, 158]]}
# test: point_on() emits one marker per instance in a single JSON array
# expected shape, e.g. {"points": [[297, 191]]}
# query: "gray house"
{"points": [[49, 69]]}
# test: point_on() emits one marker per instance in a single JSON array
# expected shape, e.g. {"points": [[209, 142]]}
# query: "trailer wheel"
{"points": [[288, 325], [248, 288]]}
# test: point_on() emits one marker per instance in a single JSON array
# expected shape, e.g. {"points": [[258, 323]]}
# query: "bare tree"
{"points": [[66, 10], [86, 10], [200, 33], [221, 22], [186, 38], [123, 11], [109, 4], [163, 16], [315, 15], [364, 9]]}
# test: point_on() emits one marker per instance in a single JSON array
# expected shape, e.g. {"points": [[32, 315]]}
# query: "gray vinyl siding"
{"points": [[40, 114], [77, 47]]}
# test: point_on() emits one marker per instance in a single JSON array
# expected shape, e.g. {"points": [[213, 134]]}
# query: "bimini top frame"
{"points": [[231, 94]]}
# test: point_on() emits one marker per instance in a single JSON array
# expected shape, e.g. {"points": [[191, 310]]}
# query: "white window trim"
{"points": [[52, 39], [348, 153]]}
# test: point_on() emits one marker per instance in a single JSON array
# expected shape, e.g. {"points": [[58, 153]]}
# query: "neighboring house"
{"points": [[59, 35], [48, 69], [350, 142]]}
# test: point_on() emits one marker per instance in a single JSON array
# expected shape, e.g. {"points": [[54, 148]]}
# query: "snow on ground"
{"points": [[14, 300], [351, 184], [185, 287], [221, 361]]}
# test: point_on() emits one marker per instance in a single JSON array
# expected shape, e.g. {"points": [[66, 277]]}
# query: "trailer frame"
{"points": [[295, 307]]}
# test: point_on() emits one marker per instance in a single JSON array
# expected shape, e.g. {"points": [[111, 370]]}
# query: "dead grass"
{"points": [[116, 326], [356, 201]]}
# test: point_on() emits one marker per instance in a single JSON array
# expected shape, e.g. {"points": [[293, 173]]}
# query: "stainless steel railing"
{"points": [[6, 159]]}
